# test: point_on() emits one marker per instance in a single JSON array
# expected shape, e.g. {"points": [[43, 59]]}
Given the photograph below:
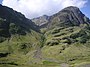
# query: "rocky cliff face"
{"points": [[70, 16]]}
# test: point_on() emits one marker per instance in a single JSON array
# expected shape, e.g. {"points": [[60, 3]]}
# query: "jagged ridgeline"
{"points": [[60, 40]]}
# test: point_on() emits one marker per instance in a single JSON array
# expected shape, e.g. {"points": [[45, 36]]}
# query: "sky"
{"points": [[0, 1], [36, 8]]}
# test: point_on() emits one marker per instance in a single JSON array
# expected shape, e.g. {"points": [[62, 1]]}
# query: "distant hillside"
{"points": [[41, 21]]}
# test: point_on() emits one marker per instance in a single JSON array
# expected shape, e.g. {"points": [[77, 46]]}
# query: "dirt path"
{"points": [[38, 53], [64, 65]]}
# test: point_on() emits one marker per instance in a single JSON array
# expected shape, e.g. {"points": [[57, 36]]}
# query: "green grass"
{"points": [[22, 48], [73, 54]]}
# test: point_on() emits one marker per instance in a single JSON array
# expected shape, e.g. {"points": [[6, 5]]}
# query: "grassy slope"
{"points": [[22, 50], [19, 48], [64, 45]]}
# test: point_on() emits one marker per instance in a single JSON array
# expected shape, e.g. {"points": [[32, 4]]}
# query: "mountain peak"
{"points": [[69, 16], [41, 21], [71, 8]]}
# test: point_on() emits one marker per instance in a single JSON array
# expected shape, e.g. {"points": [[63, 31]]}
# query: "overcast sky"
{"points": [[35, 8]]}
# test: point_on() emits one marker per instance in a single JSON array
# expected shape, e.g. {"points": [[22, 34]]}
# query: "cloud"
{"points": [[35, 8]]}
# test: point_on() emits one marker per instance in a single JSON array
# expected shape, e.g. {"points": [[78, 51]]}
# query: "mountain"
{"points": [[70, 16], [68, 25], [41, 21], [17, 36], [67, 38], [13, 22], [60, 40]]}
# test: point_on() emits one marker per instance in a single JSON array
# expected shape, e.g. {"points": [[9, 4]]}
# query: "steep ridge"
{"points": [[13, 22], [18, 36], [9, 16]]}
